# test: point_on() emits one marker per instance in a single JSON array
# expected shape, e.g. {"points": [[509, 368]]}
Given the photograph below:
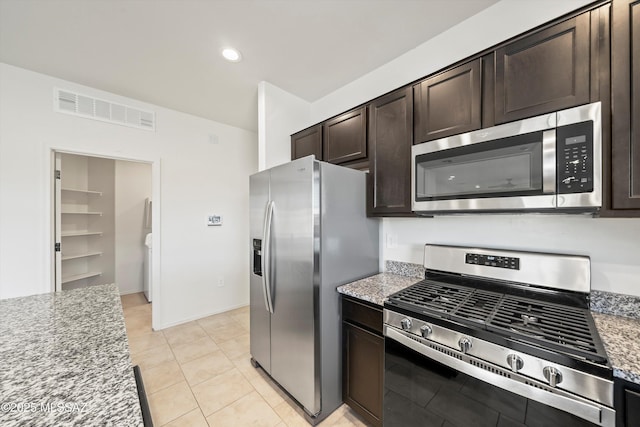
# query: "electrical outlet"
{"points": [[392, 240], [220, 281]]}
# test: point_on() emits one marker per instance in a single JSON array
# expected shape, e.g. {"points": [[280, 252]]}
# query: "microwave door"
{"points": [[511, 173]]}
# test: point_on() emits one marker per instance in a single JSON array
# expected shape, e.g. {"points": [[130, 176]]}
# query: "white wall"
{"points": [[613, 244], [199, 167], [279, 115], [132, 187]]}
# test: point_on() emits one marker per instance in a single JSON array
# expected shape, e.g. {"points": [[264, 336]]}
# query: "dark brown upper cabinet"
{"points": [[546, 71], [390, 138], [345, 137], [307, 142], [625, 117], [447, 104]]}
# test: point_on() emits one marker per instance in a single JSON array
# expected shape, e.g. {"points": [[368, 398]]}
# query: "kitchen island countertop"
{"points": [[618, 333], [65, 360]]}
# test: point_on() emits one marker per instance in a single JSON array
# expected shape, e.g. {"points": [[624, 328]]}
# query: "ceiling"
{"points": [[167, 52]]}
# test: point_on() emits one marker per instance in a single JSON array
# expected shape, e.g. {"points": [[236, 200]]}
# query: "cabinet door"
{"points": [[625, 118], [307, 142], [543, 72], [632, 406], [390, 139], [448, 103], [345, 137], [363, 371]]}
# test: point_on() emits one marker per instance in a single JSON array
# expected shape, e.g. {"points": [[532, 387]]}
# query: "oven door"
{"points": [[425, 385], [507, 167]]}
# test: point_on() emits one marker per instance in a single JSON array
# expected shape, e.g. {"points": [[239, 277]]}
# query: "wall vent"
{"points": [[69, 102]]}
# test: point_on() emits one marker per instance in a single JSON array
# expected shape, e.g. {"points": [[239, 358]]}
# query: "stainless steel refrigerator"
{"points": [[309, 234]]}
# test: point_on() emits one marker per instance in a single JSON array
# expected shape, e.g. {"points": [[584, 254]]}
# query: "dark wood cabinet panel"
{"points": [[544, 72], [345, 137], [632, 403], [626, 402], [625, 117], [307, 142], [448, 104], [363, 372], [360, 314], [363, 358], [390, 140], [488, 90]]}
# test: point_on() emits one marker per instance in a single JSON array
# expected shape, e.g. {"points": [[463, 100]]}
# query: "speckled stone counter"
{"points": [[618, 304], [65, 361], [376, 288], [620, 337]]}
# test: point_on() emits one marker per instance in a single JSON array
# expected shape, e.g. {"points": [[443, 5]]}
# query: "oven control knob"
{"points": [[405, 324], [515, 362], [425, 330], [464, 344], [552, 375]]}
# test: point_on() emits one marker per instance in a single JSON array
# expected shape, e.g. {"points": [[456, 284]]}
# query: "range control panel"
{"points": [[511, 263], [575, 158]]}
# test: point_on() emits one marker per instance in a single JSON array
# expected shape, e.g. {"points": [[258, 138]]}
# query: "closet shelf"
{"points": [[74, 190], [81, 233], [80, 276], [89, 254], [81, 213]]}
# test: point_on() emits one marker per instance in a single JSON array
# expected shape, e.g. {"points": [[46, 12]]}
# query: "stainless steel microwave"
{"points": [[550, 163]]}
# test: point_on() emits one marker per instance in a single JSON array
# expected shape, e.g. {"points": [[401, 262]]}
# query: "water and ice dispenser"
{"points": [[257, 257]]}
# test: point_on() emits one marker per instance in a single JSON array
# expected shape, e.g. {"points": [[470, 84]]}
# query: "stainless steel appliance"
{"points": [[551, 162], [309, 234], [493, 337]]}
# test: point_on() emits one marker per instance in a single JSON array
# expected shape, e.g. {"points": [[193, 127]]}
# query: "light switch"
{"points": [[214, 220]]}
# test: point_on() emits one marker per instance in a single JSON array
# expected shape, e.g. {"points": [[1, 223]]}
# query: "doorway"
{"points": [[103, 216]]}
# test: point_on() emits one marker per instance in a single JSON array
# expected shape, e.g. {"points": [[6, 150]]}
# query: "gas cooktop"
{"points": [[558, 327]]}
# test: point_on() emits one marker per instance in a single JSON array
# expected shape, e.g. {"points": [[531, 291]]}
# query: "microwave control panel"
{"points": [[574, 156]]}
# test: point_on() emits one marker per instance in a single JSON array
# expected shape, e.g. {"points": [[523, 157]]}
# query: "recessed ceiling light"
{"points": [[231, 54]]}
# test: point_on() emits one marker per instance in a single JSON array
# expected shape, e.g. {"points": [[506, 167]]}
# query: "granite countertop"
{"points": [[376, 288], [618, 330], [620, 337], [65, 360]]}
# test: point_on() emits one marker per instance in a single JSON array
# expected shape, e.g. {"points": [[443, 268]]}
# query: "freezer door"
{"points": [[260, 324], [295, 244]]}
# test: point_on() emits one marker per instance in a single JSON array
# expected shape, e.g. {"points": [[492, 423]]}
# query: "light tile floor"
{"points": [[199, 374]]}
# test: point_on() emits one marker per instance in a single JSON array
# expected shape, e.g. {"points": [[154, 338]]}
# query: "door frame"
{"points": [[154, 161]]}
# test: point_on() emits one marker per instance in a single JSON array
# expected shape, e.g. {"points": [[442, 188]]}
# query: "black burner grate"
{"points": [[554, 326], [560, 325], [433, 296]]}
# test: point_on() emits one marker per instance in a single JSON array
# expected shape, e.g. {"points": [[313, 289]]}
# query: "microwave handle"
{"points": [[549, 161]]}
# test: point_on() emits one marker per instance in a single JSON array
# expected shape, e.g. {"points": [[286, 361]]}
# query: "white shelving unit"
{"points": [[74, 190], [86, 221], [80, 276], [77, 256], [82, 213], [80, 233]]}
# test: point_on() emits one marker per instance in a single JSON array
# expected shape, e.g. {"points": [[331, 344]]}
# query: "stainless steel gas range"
{"points": [[496, 338]]}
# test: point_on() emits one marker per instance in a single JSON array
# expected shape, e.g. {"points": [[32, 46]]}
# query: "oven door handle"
{"points": [[599, 415]]}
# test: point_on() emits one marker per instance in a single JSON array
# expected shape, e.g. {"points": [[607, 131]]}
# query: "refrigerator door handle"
{"points": [[266, 257]]}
